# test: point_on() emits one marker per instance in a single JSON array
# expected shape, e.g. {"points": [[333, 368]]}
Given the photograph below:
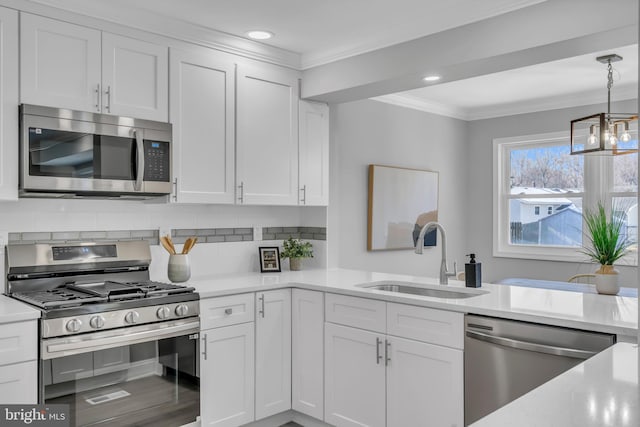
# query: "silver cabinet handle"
{"points": [[378, 355], [261, 312], [303, 190], [241, 187], [98, 97], [228, 311], [204, 344], [175, 189], [139, 160], [527, 346], [108, 93], [387, 352]]}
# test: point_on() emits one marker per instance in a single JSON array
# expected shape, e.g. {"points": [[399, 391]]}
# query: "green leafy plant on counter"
{"points": [[296, 248], [604, 232]]}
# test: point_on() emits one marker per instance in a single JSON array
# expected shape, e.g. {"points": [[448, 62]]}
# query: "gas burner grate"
{"points": [[56, 298], [160, 288]]}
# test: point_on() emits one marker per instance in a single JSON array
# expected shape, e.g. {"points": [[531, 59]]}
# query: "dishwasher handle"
{"points": [[528, 346]]}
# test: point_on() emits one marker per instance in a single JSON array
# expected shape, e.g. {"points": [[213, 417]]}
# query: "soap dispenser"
{"points": [[473, 272]]}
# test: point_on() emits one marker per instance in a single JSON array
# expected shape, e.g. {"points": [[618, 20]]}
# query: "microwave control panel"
{"points": [[156, 161]]}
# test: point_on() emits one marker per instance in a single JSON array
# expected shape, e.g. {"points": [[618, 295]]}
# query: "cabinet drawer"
{"points": [[19, 383], [426, 324], [226, 311], [18, 342], [357, 312]]}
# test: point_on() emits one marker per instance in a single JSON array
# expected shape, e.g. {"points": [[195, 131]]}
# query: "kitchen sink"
{"points": [[438, 291]]}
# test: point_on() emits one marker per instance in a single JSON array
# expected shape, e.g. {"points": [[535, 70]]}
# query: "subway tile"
{"points": [[93, 235], [319, 236], [233, 238], [65, 235], [215, 239], [119, 234], [184, 232], [306, 235], [268, 236], [206, 232], [247, 237], [290, 229], [144, 233], [274, 230], [179, 239], [36, 236], [243, 231], [224, 231]]}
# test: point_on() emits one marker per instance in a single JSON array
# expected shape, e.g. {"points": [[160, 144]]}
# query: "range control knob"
{"points": [[74, 325], [96, 322], [182, 310], [131, 317], [163, 312]]}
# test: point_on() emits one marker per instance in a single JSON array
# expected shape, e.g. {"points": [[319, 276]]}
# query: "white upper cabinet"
{"points": [[134, 78], [202, 112], [267, 135], [59, 64], [70, 66], [314, 153], [8, 104]]}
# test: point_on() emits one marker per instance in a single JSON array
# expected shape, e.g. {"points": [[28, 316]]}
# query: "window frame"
{"points": [[501, 195]]}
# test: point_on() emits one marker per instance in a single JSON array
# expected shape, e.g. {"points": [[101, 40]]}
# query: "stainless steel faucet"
{"points": [[444, 274]]}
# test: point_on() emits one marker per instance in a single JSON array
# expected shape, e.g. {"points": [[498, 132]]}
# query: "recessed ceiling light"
{"points": [[433, 78], [259, 34]]}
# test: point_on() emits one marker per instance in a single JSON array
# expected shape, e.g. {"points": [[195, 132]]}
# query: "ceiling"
{"points": [[324, 31], [579, 80]]}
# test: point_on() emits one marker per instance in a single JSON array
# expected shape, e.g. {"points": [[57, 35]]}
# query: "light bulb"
{"points": [[592, 140], [625, 136]]}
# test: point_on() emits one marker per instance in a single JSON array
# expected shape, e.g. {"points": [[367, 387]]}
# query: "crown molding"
{"points": [[77, 11], [511, 109]]}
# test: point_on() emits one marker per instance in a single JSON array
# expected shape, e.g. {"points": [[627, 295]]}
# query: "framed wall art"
{"points": [[269, 259], [401, 201]]}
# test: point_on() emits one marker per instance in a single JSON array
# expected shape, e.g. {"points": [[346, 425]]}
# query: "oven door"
{"points": [[142, 375]]}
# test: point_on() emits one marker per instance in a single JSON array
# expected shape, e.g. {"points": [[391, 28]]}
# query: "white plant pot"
{"points": [[606, 280]]}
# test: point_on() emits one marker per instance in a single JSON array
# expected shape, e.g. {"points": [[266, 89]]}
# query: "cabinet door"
{"points": [[19, 383], [227, 374], [135, 78], [267, 135], [59, 64], [307, 353], [313, 156], [425, 384], [203, 117], [273, 352], [8, 104], [354, 377]]}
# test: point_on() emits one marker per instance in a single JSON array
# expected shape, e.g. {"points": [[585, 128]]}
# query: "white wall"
{"points": [[370, 132], [209, 258], [480, 192]]}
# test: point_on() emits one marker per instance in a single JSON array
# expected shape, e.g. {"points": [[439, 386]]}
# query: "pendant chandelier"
{"points": [[605, 133]]}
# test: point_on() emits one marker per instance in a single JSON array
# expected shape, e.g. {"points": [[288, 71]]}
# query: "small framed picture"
{"points": [[269, 259]]}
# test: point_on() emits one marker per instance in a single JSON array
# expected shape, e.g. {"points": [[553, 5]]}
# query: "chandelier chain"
{"points": [[610, 76]]}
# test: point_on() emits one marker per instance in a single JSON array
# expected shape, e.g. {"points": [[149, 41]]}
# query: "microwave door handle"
{"points": [[137, 186]]}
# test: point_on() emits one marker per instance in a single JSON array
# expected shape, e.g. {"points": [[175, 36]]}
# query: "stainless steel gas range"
{"points": [[118, 348]]}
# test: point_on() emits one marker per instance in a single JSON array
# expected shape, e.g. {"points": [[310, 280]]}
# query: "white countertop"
{"points": [[602, 391], [12, 310], [611, 314]]}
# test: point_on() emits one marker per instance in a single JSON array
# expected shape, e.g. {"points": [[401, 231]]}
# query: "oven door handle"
{"points": [[88, 343], [137, 186]]}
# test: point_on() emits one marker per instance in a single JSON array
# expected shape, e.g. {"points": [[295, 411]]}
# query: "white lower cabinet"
{"points": [[373, 378], [354, 377], [19, 383], [273, 352], [19, 362], [227, 372], [307, 352], [424, 384]]}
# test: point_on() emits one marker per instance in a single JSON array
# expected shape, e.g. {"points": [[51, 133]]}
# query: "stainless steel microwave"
{"points": [[66, 153]]}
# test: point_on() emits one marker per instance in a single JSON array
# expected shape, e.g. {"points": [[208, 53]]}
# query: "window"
{"points": [[538, 171]]}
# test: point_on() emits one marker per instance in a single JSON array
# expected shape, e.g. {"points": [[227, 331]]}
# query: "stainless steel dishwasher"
{"points": [[504, 359]]}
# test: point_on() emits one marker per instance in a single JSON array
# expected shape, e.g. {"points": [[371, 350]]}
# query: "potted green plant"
{"points": [[606, 245], [295, 250]]}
